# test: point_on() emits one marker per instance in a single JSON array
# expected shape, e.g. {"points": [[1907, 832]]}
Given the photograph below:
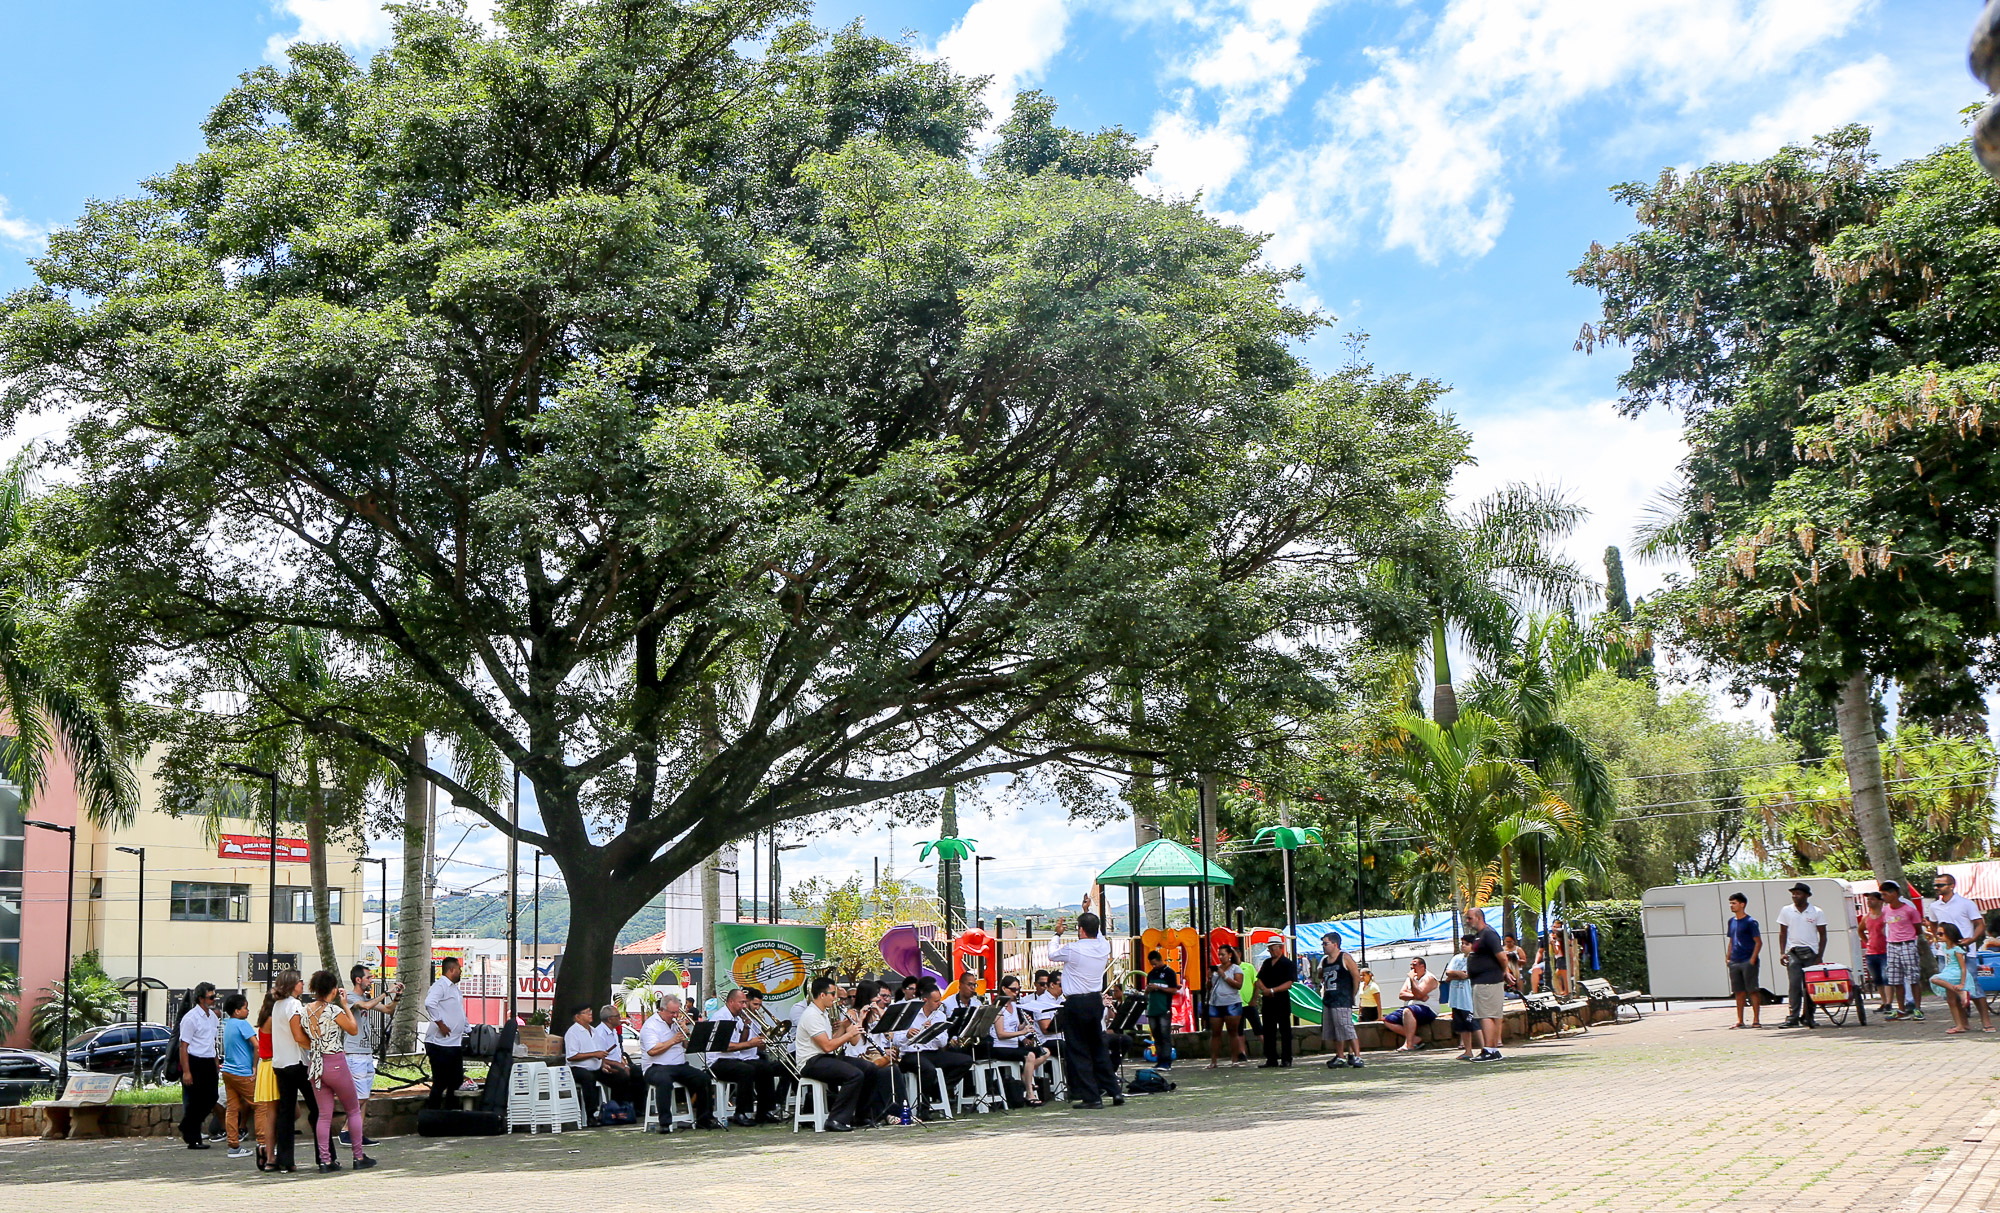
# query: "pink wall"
{"points": [[45, 864]]}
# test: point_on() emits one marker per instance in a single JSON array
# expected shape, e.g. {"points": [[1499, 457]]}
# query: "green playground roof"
{"points": [[1162, 863]]}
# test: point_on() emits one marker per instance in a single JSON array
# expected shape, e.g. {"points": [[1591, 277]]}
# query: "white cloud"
{"points": [[20, 233], [359, 25], [1847, 95], [1012, 41]]}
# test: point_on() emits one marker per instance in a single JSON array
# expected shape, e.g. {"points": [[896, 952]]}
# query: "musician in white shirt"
{"points": [[663, 1051], [760, 1082], [619, 1078], [585, 1054], [817, 1044], [1013, 1037], [1092, 1072], [932, 1058]]}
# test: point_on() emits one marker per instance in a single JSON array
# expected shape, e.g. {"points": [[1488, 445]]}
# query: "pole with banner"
{"points": [[779, 961]]}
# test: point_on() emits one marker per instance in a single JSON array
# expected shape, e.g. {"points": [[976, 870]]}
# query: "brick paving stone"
{"points": [[1675, 1113]]}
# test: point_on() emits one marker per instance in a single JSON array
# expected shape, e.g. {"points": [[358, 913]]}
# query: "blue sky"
{"points": [[1435, 166]]}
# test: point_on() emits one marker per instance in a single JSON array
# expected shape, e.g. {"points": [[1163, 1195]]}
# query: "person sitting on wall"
{"points": [[1416, 1013]]}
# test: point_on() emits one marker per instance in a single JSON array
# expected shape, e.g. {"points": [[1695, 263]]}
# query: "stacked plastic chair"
{"points": [[562, 1106], [527, 1084]]}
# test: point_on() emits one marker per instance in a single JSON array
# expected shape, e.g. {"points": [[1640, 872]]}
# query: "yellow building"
{"points": [[207, 906]]}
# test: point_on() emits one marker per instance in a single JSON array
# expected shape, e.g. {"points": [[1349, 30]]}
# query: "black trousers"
{"points": [[1278, 1029], [850, 1081], [954, 1067], [1162, 1027], [664, 1079], [447, 1074], [1092, 1074], [1802, 1007], [197, 1096], [293, 1085], [626, 1086], [586, 1090], [760, 1082]]}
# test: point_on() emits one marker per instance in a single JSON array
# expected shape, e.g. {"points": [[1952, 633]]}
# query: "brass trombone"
{"points": [[777, 1042]]}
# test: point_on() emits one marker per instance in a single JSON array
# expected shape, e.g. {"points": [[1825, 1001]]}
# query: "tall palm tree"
{"points": [[46, 701], [1482, 570], [1469, 798]]}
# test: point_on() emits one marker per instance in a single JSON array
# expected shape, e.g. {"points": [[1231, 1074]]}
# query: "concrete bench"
{"points": [[83, 1101]]}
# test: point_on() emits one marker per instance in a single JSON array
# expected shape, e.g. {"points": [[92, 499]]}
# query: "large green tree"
{"points": [[556, 367], [1771, 301]]}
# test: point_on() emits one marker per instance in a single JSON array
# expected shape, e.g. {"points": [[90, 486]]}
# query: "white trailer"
{"points": [[1685, 937]]}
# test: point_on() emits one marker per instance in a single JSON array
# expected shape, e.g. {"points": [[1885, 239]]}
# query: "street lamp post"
{"points": [[535, 1001], [514, 900], [775, 848], [140, 1026], [271, 933], [69, 921], [976, 861]]}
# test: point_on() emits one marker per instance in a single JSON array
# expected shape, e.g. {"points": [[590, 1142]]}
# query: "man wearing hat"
{"points": [[1801, 942]]}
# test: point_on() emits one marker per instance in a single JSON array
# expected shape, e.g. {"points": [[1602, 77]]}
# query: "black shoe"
{"points": [[362, 1164], [199, 1144], [1089, 1104], [713, 1123], [1789, 1023], [771, 1118], [744, 1119], [1807, 1023], [325, 1167], [1117, 1101], [341, 1137], [1269, 1065], [839, 1126]]}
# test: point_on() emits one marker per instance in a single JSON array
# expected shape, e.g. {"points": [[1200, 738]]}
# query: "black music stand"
{"points": [[1130, 1010], [898, 1018], [710, 1035]]}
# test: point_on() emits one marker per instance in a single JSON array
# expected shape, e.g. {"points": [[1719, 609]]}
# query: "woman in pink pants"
{"points": [[328, 1024]]}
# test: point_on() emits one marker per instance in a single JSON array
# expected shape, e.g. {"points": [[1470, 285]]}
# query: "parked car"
{"points": [[109, 1048], [24, 1071]]}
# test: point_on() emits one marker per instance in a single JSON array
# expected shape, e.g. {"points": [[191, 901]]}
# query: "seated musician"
{"points": [[851, 1084], [1121, 1044], [871, 998], [906, 989], [1014, 1038], [966, 995], [930, 1060], [663, 1046], [1048, 1017], [619, 1078], [585, 1054], [760, 1082], [753, 1006]]}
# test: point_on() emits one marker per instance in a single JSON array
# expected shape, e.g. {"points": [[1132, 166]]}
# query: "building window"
{"points": [[11, 847], [195, 901], [295, 904], [96, 888]]}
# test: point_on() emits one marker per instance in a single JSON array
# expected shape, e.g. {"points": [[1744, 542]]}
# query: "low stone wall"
{"points": [[388, 1116], [1377, 1035]]}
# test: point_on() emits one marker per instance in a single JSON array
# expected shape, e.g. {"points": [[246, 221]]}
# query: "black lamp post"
{"points": [[140, 1033], [271, 933], [976, 861], [775, 848], [514, 900], [69, 920], [535, 1001]]}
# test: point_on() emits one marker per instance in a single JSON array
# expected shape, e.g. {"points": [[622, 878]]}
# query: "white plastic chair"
{"points": [[914, 1095], [989, 1090], [680, 1112], [822, 1105], [563, 1106], [526, 1083], [725, 1098]]}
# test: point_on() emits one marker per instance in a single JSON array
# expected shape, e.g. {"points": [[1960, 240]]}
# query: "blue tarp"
{"points": [[1392, 927]]}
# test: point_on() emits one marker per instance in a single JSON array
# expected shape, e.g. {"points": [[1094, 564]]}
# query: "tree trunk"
{"points": [[1207, 806], [598, 907], [1855, 713], [1507, 926], [413, 932], [1145, 828], [1444, 700], [951, 888], [316, 866]]}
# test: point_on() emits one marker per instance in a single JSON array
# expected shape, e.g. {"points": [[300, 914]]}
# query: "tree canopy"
{"points": [[555, 371]]}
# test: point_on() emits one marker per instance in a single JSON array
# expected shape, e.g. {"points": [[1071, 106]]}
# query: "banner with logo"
{"points": [[256, 848], [780, 960]]}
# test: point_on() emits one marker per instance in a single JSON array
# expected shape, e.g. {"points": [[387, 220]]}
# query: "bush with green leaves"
{"points": [[95, 1000]]}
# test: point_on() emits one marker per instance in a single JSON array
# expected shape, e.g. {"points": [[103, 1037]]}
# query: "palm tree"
{"points": [[42, 696], [1469, 798], [1482, 570]]}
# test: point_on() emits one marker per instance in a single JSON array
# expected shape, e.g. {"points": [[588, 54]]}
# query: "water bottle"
{"points": [[905, 1112]]}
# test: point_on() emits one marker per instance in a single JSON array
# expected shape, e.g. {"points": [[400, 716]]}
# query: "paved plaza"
{"points": [[1674, 1113]]}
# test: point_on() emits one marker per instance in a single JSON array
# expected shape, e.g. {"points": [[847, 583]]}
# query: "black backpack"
{"points": [[1148, 1082]]}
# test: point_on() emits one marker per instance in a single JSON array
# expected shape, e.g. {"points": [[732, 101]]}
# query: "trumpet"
{"points": [[777, 1044]]}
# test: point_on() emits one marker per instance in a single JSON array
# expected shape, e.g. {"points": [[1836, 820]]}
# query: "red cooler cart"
{"points": [[1834, 992]]}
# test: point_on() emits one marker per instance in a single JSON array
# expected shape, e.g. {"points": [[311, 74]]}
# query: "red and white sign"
{"points": [[257, 848]]}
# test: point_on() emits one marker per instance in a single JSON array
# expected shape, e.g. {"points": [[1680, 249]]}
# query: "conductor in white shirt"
{"points": [[444, 1043], [1083, 964]]}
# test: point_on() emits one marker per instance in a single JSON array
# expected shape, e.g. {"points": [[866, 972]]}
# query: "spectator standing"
{"points": [[1489, 970], [1458, 995], [1274, 991], [1416, 1013], [363, 1005], [1517, 961], [1744, 945], [288, 1060], [239, 1074], [1801, 942], [1901, 965], [1874, 944], [1161, 982], [1368, 997], [266, 1089], [1338, 980], [1949, 907], [200, 1044], [1225, 1008], [444, 1044], [328, 1023]]}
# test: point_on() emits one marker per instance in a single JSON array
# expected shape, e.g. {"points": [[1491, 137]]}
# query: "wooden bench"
{"points": [[76, 1114]]}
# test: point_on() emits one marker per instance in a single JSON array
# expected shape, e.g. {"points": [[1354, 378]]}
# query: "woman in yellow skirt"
{"points": [[266, 1093]]}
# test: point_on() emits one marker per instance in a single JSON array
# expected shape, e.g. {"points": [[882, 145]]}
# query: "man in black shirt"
{"points": [[1274, 989], [1161, 982], [1489, 968]]}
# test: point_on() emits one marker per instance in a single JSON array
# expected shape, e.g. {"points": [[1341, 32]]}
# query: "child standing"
{"points": [[1458, 993]]}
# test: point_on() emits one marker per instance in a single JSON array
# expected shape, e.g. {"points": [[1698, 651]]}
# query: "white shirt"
{"points": [[1803, 926], [924, 1020], [580, 1039], [655, 1033], [611, 1040], [1009, 1018], [1959, 912], [812, 1022], [743, 1031], [201, 1029], [285, 1051], [1044, 1006], [446, 1008], [1083, 964]]}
